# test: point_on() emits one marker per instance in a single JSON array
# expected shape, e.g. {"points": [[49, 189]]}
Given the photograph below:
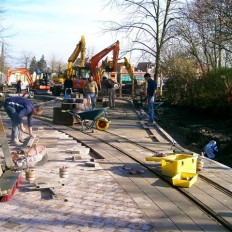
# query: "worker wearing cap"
{"points": [[17, 108], [91, 91]]}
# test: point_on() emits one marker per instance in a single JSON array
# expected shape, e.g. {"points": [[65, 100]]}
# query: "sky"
{"points": [[54, 27]]}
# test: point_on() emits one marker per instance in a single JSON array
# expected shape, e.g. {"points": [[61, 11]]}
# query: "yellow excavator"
{"points": [[57, 88], [81, 72], [80, 49], [125, 62]]}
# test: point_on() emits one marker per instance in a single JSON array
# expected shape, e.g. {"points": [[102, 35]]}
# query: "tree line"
{"points": [[187, 41]]}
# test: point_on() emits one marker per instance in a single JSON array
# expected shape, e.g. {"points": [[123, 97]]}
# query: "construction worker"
{"points": [[68, 86], [111, 92], [91, 91], [151, 97], [17, 108], [103, 85], [18, 87]]}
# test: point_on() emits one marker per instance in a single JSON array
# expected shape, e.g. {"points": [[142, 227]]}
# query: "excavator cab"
{"points": [[81, 75], [82, 72]]}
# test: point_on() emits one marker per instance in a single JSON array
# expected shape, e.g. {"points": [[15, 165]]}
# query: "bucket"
{"points": [[30, 175], [63, 172]]}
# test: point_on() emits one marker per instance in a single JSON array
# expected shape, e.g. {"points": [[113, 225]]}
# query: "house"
{"points": [[144, 67]]}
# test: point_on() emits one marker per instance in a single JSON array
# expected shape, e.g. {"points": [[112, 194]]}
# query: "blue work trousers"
{"points": [[151, 109], [16, 133], [92, 97]]}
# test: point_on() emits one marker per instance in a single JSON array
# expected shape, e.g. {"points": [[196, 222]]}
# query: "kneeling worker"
{"points": [[17, 108]]}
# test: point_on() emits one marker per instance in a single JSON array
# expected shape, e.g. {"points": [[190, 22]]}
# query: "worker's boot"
{"points": [[16, 143]]}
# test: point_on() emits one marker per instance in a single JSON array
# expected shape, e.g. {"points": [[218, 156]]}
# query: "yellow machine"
{"points": [[125, 63], [129, 69], [58, 81], [81, 72], [80, 49]]}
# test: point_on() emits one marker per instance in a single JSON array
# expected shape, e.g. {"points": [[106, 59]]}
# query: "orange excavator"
{"points": [[93, 68], [94, 62], [80, 73], [23, 72], [39, 86]]}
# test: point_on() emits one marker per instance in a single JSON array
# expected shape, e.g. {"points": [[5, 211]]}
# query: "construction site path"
{"points": [[91, 197]]}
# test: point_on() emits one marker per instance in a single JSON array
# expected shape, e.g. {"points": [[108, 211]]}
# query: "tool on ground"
{"points": [[44, 184], [30, 140]]}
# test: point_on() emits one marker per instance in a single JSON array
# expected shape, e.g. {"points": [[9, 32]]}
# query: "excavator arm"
{"points": [[22, 71], [80, 48], [129, 69], [94, 61]]}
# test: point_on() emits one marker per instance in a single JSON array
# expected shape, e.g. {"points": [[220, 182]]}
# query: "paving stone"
{"points": [[90, 200]]}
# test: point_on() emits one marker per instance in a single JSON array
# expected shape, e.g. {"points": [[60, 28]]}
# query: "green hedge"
{"points": [[208, 92]]}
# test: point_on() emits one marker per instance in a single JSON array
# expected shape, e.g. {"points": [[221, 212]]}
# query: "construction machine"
{"points": [[39, 86], [71, 71], [107, 66], [80, 49], [130, 81], [19, 73], [93, 68], [112, 66], [83, 71]]}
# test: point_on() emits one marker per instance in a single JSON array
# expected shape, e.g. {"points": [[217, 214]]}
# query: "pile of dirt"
{"points": [[193, 130]]}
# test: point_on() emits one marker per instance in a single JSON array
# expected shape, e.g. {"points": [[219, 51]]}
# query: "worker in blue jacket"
{"points": [[17, 108], [151, 97]]}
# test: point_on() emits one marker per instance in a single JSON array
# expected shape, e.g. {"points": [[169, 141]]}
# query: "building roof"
{"points": [[143, 66]]}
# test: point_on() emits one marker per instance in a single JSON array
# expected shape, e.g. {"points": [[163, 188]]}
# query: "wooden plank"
{"points": [[5, 146]]}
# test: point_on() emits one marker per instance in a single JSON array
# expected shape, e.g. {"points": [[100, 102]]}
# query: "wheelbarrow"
{"points": [[92, 117]]}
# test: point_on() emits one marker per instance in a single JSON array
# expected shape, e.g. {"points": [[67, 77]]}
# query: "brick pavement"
{"points": [[90, 200]]}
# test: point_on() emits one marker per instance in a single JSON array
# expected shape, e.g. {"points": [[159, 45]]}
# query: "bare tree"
{"points": [[147, 26], [206, 32], [90, 52], [56, 65], [25, 59], [4, 35]]}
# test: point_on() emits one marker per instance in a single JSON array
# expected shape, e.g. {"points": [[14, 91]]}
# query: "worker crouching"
{"points": [[17, 108]]}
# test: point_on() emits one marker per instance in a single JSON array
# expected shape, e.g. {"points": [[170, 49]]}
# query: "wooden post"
{"points": [[120, 87], [133, 87]]}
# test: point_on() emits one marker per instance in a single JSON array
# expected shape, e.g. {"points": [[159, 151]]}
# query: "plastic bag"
{"points": [[210, 149]]}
